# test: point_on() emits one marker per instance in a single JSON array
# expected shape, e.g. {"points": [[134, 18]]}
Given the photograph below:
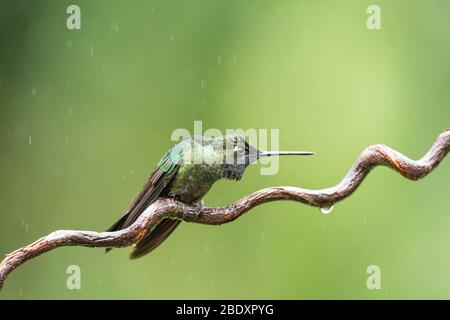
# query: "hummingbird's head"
{"points": [[238, 154]]}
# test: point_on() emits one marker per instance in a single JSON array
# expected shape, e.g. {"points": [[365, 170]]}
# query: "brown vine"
{"points": [[165, 207]]}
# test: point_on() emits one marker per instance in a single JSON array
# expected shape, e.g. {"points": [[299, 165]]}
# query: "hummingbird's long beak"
{"points": [[284, 153]]}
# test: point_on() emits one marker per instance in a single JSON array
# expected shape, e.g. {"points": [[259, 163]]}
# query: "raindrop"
{"points": [[219, 59], [33, 91], [326, 210], [25, 225], [91, 50], [29, 140], [115, 28]]}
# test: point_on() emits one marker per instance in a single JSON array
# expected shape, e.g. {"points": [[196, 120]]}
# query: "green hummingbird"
{"points": [[186, 173]]}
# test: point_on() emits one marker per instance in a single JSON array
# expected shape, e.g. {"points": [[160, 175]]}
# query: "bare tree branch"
{"points": [[168, 208]]}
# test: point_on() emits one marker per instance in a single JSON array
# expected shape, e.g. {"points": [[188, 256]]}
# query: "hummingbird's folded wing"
{"points": [[153, 188]]}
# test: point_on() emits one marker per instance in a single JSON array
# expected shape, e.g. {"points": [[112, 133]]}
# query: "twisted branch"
{"points": [[168, 208]]}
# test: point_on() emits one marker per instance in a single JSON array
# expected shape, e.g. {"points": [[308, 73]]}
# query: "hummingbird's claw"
{"points": [[199, 208]]}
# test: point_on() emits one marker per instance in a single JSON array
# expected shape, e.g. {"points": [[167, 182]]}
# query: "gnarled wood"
{"points": [[168, 208]]}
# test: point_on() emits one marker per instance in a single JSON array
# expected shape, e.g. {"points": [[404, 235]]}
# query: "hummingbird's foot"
{"points": [[199, 208]]}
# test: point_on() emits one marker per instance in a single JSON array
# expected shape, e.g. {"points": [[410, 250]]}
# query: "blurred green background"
{"points": [[86, 114]]}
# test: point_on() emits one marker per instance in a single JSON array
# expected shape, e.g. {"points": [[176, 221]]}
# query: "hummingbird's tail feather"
{"points": [[155, 237]]}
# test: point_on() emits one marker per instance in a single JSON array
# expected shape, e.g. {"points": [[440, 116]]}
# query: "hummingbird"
{"points": [[186, 173]]}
